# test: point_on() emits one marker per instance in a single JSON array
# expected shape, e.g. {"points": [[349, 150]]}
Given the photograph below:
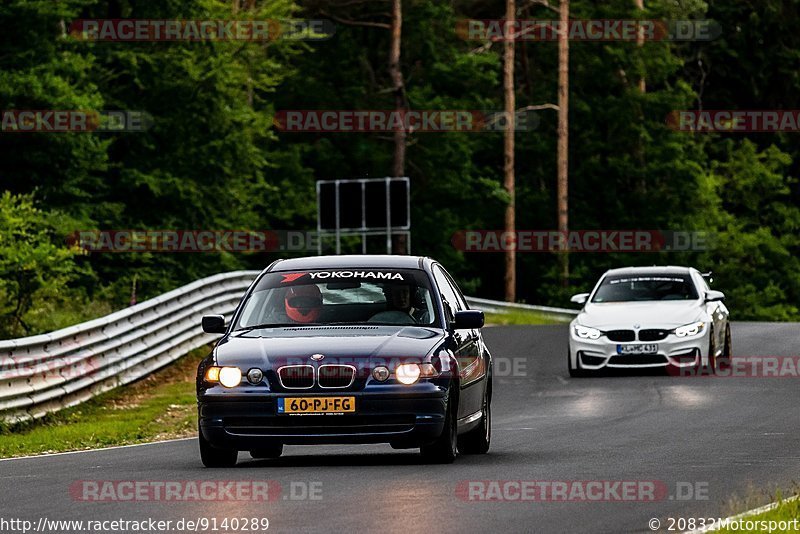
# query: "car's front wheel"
{"points": [[214, 457], [445, 449], [711, 366], [724, 361], [478, 440]]}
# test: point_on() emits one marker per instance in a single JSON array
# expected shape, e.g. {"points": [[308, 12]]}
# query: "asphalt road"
{"points": [[719, 437]]}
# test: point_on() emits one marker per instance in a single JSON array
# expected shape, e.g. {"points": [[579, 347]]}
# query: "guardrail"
{"points": [[49, 372], [494, 306]]}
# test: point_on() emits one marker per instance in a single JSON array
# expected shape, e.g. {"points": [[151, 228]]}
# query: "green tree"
{"points": [[34, 266]]}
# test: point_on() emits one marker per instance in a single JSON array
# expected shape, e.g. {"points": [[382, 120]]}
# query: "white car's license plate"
{"points": [[637, 349]]}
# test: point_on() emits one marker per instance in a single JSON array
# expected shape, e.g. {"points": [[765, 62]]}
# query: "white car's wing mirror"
{"points": [[580, 298]]}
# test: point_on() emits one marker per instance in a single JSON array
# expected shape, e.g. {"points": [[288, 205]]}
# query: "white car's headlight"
{"points": [[690, 330], [585, 332]]}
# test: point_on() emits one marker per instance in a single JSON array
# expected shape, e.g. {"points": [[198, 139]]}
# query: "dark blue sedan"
{"points": [[347, 349]]}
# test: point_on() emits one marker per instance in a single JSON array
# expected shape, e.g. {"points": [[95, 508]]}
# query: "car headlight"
{"points": [[689, 330], [230, 376], [227, 376], [408, 373], [585, 332]]}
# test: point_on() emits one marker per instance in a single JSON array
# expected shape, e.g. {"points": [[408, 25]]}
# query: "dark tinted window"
{"points": [[449, 297], [343, 296], [625, 288]]}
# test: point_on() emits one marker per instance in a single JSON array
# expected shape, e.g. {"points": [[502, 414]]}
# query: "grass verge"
{"points": [[779, 520], [521, 317], [160, 406]]}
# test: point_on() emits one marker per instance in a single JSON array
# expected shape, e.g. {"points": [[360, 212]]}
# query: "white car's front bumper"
{"points": [[603, 353]]}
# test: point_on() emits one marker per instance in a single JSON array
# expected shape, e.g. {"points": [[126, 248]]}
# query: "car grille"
{"points": [[336, 376], [319, 425], [621, 335], [653, 335], [296, 376], [638, 359]]}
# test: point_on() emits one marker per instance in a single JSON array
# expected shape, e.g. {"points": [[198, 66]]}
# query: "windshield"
{"points": [[625, 288], [331, 297]]}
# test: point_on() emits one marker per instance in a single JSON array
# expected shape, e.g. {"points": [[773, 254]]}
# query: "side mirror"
{"points": [[714, 296], [468, 319], [580, 298], [213, 324]]}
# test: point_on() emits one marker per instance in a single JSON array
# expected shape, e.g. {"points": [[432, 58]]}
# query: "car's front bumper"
{"points": [[405, 416], [672, 352]]}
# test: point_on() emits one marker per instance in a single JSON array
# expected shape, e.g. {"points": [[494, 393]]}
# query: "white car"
{"points": [[649, 317]]}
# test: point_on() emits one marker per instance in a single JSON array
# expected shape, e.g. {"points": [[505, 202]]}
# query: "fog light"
{"points": [[407, 373], [255, 376], [230, 377], [380, 373]]}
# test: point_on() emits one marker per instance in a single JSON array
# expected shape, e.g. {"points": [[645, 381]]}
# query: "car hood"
{"points": [[612, 315], [272, 347]]}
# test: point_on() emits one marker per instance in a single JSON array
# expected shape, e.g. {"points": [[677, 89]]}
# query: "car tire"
{"points": [[577, 371], [272, 451], [727, 351], [478, 440], [445, 449], [711, 367], [213, 457]]}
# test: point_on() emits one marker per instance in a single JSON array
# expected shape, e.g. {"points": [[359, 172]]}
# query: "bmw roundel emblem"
{"points": [[317, 357], [637, 326]]}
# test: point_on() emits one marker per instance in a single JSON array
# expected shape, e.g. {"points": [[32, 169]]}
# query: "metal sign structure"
{"points": [[364, 207]]}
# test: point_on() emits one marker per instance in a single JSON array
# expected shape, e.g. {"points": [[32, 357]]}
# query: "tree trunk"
{"points": [[640, 43], [398, 87], [399, 243], [563, 136], [508, 150]]}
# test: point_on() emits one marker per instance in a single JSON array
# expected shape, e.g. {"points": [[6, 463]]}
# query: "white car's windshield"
{"points": [[625, 288], [352, 296]]}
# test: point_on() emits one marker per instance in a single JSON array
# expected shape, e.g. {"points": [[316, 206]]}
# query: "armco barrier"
{"points": [[561, 314], [48, 372]]}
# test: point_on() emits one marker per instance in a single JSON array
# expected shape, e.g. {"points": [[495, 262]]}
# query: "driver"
{"points": [[303, 304], [399, 298], [399, 306]]}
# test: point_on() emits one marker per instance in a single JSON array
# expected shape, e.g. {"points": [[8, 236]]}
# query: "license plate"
{"points": [[637, 349], [316, 405]]}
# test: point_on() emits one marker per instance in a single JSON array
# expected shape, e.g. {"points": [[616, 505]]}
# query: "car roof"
{"points": [[665, 269], [355, 261]]}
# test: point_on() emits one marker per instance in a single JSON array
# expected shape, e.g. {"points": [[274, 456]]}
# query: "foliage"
{"points": [[34, 271]]}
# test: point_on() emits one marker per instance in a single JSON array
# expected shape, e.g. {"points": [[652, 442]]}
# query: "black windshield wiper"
{"points": [[268, 325]]}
